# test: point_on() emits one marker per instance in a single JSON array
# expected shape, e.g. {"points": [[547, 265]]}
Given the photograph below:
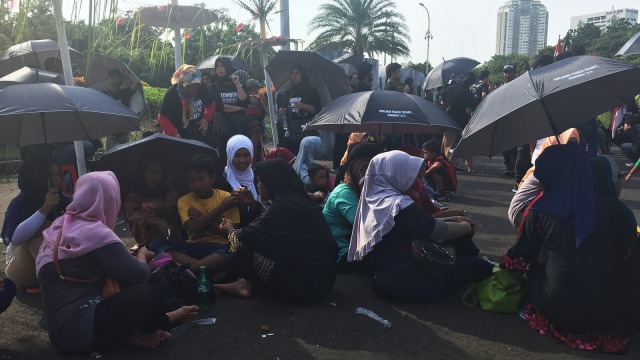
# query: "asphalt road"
{"points": [[333, 330]]}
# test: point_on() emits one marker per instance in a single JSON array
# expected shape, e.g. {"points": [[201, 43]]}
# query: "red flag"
{"points": [[239, 27], [558, 47]]}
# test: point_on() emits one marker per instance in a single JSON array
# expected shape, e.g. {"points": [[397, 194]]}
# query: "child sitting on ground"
{"points": [[201, 211], [318, 188], [440, 174]]}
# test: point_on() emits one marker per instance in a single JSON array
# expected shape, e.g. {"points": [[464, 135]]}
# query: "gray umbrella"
{"points": [[547, 101], [28, 75], [98, 78], [182, 16], [631, 47], [52, 113], [40, 54], [448, 70], [238, 63], [384, 112], [324, 75]]}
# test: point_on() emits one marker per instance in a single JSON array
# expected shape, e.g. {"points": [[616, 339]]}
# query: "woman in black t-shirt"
{"points": [[300, 105], [231, 119]]}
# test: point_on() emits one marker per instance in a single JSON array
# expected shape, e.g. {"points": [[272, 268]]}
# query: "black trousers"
{"points": [[510, 158], [137, 307], [523, 162]]}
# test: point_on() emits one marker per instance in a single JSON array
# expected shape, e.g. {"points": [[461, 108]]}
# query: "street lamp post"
{"points": [[427, 35]]}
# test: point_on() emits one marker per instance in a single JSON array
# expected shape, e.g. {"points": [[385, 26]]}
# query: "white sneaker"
{"points": [[440, 205]]}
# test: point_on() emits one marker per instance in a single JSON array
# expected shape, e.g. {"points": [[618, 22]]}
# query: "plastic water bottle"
{"points": [[204, 290]]}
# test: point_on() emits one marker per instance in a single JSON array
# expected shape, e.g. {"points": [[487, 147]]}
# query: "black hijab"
{"points": [[303, 90], [292, 230], [354, 152], [228, 67]]}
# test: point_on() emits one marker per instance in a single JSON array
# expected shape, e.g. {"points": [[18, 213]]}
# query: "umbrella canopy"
{"points": [[324, 75], [450, 69], [631, 47], [52, 113], [547, 101], [127, 160], [28, 75], [98, 78], [182, 16], [349, 63], [208, 64], [36, 54], [382, 111]]}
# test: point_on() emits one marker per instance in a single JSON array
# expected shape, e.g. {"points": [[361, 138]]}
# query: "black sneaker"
{"points": [[443, 196]]}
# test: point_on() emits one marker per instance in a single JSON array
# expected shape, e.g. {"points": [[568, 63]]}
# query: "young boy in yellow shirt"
{"points": [[201, 211]]}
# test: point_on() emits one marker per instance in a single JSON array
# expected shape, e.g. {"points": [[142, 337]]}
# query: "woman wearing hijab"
{"points": [[187, 108], [387, 222], [231, 117], [39, 202], [289, 247], [300, 104], [238, 172], [529, 187], [579, 251], [79, 251], [309, 149]]}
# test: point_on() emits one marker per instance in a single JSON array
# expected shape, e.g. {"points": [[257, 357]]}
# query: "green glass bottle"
{"points": [[204, 290]]}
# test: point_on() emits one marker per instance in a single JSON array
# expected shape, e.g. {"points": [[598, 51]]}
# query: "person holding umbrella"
{"points": [[123, 95], [299, 105], [509, 72], [187, 108]]}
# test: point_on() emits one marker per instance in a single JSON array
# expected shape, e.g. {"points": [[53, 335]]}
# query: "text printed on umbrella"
{"points": [[577, 74], [396, 113]]}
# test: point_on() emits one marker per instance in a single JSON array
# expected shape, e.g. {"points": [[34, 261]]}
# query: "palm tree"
{"points": [[361, 27], [260, 10]]}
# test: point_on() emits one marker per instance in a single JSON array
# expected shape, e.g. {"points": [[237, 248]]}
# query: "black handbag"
{"points": [[438, 258]]}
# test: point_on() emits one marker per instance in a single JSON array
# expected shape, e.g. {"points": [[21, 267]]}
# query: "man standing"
{"points": [[123, 95], [482, 88], [365, 77], [352, 82], [509, 72], [394, 78]]}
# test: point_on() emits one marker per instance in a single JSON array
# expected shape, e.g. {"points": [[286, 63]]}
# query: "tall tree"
{"points": [[364, 27], [260, 10]]}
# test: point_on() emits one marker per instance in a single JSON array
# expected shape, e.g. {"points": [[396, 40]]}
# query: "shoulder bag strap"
{"points": [[56, 264]]}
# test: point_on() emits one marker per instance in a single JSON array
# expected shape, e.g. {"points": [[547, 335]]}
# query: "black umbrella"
{"points": [[383, 112], [28, 75], [127, 160], [448, 70], [631, 47], [40, 54], [324, 75], [208, 64], [52, 113], [547, 101], [98, 78]]}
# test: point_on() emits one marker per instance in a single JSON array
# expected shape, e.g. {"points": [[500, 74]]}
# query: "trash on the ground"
{"points": [[264, 327], [182, 328], [403, 313], [334, 304], [386, 323], [207, 321], [96, 355], [269, 334]]}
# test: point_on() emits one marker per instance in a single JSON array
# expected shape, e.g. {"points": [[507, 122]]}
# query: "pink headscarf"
{"points": [[88, 221]]}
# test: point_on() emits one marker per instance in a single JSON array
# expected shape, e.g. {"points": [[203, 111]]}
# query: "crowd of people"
{"points": [[286, 226]]}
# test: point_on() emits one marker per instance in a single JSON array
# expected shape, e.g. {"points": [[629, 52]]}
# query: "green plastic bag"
{"points": [[500, 292]]}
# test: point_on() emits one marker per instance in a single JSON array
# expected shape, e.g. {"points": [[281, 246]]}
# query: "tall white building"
{"points": [[522, 27], [604, 18]]}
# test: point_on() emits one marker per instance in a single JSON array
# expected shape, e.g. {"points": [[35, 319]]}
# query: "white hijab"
{"points": [[309, 149], [388, 178], [235, 177]]}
